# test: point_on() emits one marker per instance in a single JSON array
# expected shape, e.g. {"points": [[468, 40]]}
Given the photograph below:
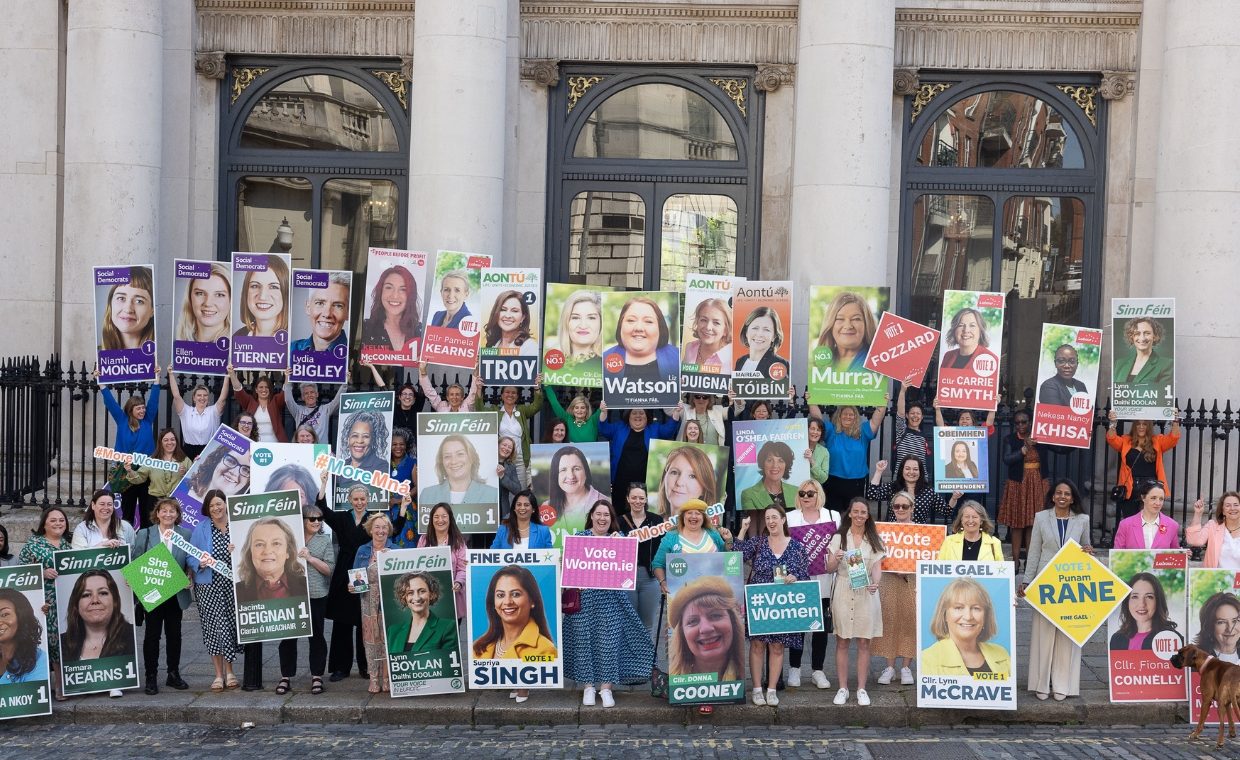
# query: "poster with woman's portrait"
{"points": [[391, 321], [364, 442], [966, 635], [769, 461], [706, 335], [1143, 358], [261, 283], [300, 467], [573, 335], [453, 310], [514, 619], [94, 608], [269, 578], [1063, 411], [224, 464], [1149, 627], [125, 323], [761, 340], [202, 316], [1213, 625], [961, 459], [843, 323], [322, 302], [706, 647], [677, 471], [418, 607], [512, 307], [25, 684], [641, 355], [567, 479], [970, 345], [458, 458]]}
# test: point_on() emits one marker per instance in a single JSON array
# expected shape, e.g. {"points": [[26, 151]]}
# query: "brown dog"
{"points": [[1220, 685]]}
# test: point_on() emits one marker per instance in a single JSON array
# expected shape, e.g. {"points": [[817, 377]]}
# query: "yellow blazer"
{"points": [[943, 659], [530, 643], [953, 548]]}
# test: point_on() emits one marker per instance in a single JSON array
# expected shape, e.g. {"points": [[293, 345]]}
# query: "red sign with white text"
{"points": [[902, 349]]}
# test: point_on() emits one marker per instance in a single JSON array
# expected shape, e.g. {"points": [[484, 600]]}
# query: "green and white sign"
{"points": [[273, 595], [25, 686], [706, 648], [155, 577], [783, 608], [419, 621], [94, 607]]}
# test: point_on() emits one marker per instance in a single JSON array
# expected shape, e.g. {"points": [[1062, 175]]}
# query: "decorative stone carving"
{"points": [[543, 71], [406, 67], [211, 64], [905, 82], [772, 76], [368, 29], [1116, 85]]}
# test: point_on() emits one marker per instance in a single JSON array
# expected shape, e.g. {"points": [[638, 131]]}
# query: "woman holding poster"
{"points": [[264, 300], [129, 312], [1140, 457], [848, 439], [856, 611], [1027, 466], [206, 312], [47, 538], [964, 621], [214, 590], [442, 530], [971, 537], [378, 527], [1219, 534], [395, 319], [897, 594], [910, 476], [812, 510]]}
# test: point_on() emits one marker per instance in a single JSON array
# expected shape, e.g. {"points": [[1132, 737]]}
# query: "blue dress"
{"points": [[606, 641], [757, 551]]}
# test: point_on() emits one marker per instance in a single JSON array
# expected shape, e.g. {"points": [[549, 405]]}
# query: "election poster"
{"points": [[94, 608], [677, 471], [843, 324], [419, 614], [573, 335], [713, 513], [641, 361], [391, 329], [452, 310], [1143, 358], [202, 311], [125, 323], [1063, 414], [770, 461], [966, 635], [567, 479], [1076, 592], [269, 578], [260, 311], [363, 448], [761, 340], [514, 619], [1149, 627], [706, 647], [607, 562], [512, 301], [458, 453], [772, 608], [26, 687], [322, 300], [815, 538], [155, 577], [902, 349], [223, 465], [909, 543], [300, 467], [961, 459], [706, 335], [1213, 625], [969, 350]]}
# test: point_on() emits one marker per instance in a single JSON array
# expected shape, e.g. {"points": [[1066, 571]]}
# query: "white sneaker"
{"points": [[793, 680], [906, 676], [841, 697], [608, 699], [116, 693], [888, 674], [758, 698], [512, 694], [772, 698], [821, 680], [587, 696], [863, 699]]}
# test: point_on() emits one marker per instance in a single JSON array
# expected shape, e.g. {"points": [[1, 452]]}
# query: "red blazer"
{"points": [[275, 407], [1128, 533]]}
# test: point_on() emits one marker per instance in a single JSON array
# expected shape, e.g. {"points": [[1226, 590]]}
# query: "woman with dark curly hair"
{"points": [[22, 659]]}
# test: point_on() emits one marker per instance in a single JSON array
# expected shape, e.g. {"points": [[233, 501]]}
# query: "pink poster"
{"points": [[607, 562]]}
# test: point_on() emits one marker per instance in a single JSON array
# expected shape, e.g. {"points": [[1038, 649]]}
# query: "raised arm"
{"points": [[178, 403]]}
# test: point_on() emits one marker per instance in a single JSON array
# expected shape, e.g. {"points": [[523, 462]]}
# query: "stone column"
{"points": [[460, 99], [113, 152], [1197, 197]]}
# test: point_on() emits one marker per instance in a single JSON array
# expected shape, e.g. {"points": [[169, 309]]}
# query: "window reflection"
{"points": [[952, 250], [607, 235], [357, 214], [319, 112], [656, 121], [699, 235], [263, 205], [1002, 130]]}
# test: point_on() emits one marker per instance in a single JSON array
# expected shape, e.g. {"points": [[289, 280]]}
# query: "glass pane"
{"points": [[1043, 259], [699, 235], [953, 245], [357, 214], [656, 121], [319, 112], [1001, 130], [607, 239], [264, 204]]}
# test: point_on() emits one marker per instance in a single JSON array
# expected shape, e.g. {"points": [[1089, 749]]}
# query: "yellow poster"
{"points": [[1076, 592]]}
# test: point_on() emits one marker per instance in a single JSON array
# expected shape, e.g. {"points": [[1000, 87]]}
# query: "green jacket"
{"points": [[438, 634], [524, 413]]}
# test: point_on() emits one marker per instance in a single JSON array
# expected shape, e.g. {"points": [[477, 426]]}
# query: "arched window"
{"points": [[1002, 181], [652, 175]]}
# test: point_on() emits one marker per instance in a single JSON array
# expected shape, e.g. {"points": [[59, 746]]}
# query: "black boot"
{"points": [[175, 681], [152, 684]]}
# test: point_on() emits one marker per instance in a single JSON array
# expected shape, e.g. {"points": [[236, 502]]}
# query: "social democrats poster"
{"points": [[761, 340], [363, 448], [260, 310], [1076, 592], [706, 646], [567, 479], [909, 543], [677, 471], [514, 620], [969, 350], [458, 453], [95, 612], [902, 349], [269, 577], [1143, 358], [391, 329], [706, 335], [843, 324], [1149, 627], [124, 323], [452, 310], [966, 635], [605, 562], [1213, 626], [1063, 413], [641, 355], [512, 302], [26, 688], [961, 459], [202, 316], [419, 615], [573, 335], [322, 302], [770, 461], [223, 465]]}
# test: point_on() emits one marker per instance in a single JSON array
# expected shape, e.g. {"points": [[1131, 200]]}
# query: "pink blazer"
{"points": [[1128, 534], [1211, 534]]}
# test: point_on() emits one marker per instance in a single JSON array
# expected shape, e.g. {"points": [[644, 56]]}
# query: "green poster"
{"points": [[155, 577], [783, 608], [706, 648], [269, 579], [363, 449], [94, 607], [418, 603], [25, 689], [842, 324]]}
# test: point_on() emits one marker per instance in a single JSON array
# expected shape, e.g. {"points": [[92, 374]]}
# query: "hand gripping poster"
{"points": [[843, 324], [573, 335], [514, 619], [770, 461], [1149, 627], [761, 340], [320, 325], [260, 311], [418, 598], [300, 467], [363, 448], [452, 310], [1213, 626], [641, 361], [25, 685], [391, 329], [269, 578], [512, 303], [124, 323], [1143, 358], [1063, 414], [961, 459], [902, 349], [969, 350], [567, 479], [223, 465], [966, 635], [706, 647], [458, 456], [202, 310], [94, 609], [677, 471], [706, 335]]}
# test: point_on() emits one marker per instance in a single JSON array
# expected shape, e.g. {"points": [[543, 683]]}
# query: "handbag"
{"points": [[570, 601], [658, 678]]}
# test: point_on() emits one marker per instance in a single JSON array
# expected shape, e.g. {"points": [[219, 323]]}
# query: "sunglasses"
{"points": [[314, 519], [806, 494], [901, 506], [700, 397]]}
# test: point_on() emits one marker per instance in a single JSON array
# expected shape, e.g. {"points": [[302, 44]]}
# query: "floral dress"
{"points": [[757, 551], [372, 627], [38, 551]]}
